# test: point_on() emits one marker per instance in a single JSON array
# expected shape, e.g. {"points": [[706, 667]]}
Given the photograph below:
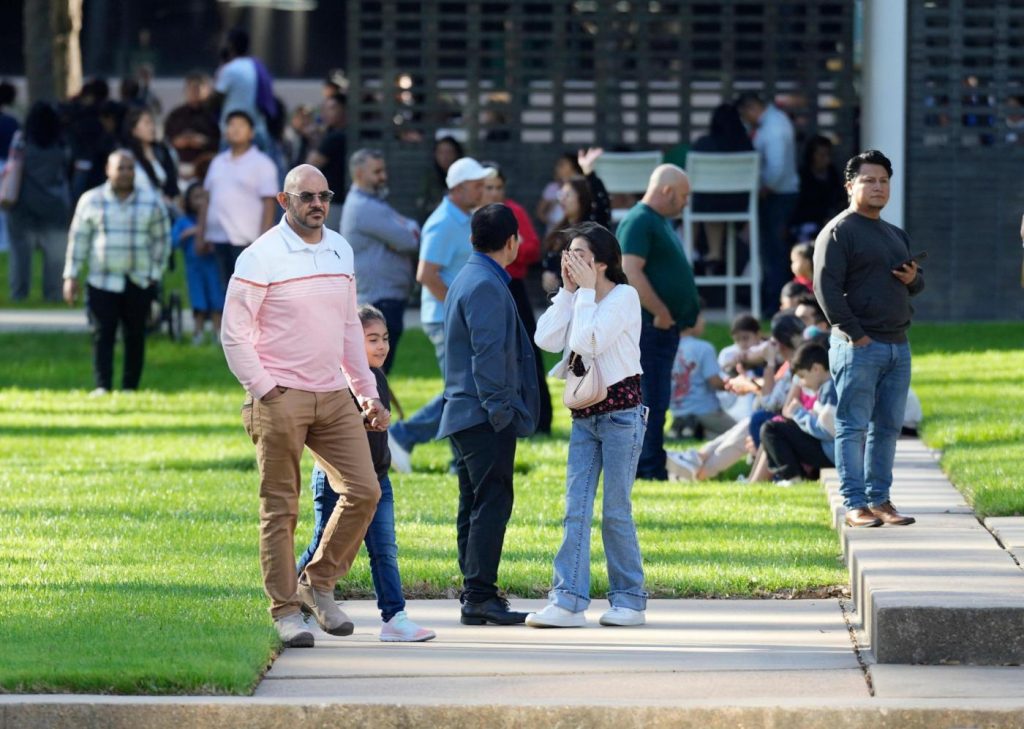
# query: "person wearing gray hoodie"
{"points": [[864, 277]]}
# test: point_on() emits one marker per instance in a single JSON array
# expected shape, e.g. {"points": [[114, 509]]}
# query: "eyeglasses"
{"points": [[307, 197]]}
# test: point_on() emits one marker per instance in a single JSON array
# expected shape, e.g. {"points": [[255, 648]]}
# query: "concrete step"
{"points": [[492, 709], [1009, 530], [941, 591]]}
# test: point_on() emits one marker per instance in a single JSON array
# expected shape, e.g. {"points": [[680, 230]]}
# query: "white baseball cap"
{"points": [[467, 169]]}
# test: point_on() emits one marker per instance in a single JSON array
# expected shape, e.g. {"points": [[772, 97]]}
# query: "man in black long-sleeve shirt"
{"points": [[864, 277]]}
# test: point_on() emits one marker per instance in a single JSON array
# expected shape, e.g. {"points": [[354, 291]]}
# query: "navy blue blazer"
{"points": [[489, 370]]}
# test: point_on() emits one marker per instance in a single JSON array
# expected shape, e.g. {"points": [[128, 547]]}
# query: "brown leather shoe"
{"points": [[888, 514], [862, 518]]}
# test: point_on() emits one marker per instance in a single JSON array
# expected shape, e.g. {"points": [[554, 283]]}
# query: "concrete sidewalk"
{"points": [[697, 663], [727, 649]]}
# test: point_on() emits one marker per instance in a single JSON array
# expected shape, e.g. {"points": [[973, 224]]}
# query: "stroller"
{"points": [[165, 310]]}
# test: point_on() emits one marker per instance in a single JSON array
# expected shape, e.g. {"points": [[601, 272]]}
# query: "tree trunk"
{"points": [[66, 21], [53, 56]]}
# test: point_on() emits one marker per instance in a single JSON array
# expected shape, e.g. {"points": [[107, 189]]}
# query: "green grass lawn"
{"points": [[174, 280], [128, 553], [128, 542], [971, 385]]}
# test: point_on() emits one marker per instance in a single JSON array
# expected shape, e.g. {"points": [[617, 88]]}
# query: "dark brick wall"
{"points": [[965, 156]]}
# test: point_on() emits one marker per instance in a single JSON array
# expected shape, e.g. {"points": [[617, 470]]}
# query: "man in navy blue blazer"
{"points": [[490, 399]]}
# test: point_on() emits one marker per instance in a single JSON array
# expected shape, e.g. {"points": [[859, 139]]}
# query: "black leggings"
{"points": [[789, 449]]}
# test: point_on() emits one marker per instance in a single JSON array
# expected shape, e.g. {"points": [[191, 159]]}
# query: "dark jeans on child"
{"points": [[380, 541], [789, 449]]}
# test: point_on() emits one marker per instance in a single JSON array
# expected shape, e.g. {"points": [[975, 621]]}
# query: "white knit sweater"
{"points": [[609, 331]]}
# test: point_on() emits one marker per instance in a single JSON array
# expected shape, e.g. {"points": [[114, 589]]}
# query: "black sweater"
{"points": [[379, 451], [854, 257]]}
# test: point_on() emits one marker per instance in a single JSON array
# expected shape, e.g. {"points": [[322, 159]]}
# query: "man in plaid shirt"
{"points": [[121, 234]]}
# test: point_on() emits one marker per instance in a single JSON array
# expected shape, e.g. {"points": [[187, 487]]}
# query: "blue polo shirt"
{"points": [[445, 242]]}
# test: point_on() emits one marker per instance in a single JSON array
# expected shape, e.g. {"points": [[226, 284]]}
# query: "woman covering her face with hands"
{"points": [[596, 314]]}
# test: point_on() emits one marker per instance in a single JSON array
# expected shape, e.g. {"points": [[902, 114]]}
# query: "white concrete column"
{"points": [[884, 93]]}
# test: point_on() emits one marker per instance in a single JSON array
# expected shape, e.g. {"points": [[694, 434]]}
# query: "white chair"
{"points": [[626, 173], [733, 172]]}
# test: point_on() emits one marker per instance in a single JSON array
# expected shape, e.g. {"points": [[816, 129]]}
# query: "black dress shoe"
{"points": [[494, 611]]}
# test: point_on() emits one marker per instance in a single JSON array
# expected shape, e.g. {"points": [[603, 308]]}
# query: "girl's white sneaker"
{"points": [[402, 630], [622, 616], [553, 616]]}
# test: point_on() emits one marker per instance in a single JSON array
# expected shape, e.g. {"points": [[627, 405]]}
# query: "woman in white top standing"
{"points": [[597, 315]]}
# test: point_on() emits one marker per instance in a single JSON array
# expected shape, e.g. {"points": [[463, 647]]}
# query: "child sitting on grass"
{"points": [[696, 378], [803, 440], [746, 355], [380, 536]]}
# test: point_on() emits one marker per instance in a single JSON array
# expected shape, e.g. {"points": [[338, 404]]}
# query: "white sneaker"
{"points": [[99, 392], [787, 482], [554, 616], [624, 617], [402, 630], [198, 339], [292, 631], [401, 459], [682, 465]]}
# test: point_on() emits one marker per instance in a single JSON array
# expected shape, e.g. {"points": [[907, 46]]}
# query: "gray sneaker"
{"points": [[292, 631], [321, 605]]}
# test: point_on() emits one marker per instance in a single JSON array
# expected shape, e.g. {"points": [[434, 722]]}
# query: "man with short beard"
{"points": [[384, 242], [292, 337]]}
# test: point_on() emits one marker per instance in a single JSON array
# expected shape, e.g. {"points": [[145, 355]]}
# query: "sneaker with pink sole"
{"points": [[402, 630]]}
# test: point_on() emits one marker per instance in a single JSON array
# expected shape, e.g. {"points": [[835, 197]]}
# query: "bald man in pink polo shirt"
{"points": [[292, 337]]}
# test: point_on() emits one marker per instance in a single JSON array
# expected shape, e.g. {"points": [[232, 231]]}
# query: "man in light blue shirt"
{"points": [[444, 249], [773, 136]]}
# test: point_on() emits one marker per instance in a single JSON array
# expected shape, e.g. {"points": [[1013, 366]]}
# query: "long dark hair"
{"points": [[170, 184], [555, 239], [603, 245], [727, 127], [42, 125], [187, 202], [459, 154]]}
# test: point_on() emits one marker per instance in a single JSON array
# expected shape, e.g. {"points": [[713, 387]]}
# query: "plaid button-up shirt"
{"points": [[118, 239]]}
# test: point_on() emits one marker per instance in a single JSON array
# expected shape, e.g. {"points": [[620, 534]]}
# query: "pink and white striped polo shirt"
{"points": [[290, 316]]}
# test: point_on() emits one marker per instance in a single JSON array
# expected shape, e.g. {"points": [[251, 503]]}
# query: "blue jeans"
{"points": [[422, 426], [871, 383], [774, 211], [380, 541], [657, 353], [608, 442], [757, 419]]}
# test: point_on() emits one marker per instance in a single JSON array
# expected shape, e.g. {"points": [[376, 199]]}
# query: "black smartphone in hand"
{"points": [[916, 258]]}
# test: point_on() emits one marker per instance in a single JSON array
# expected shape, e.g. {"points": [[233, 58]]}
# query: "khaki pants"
{"points": [[725, 450], [330, 424]]}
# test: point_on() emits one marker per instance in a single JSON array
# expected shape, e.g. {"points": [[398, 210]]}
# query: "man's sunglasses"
{"points": [[307, 197]]}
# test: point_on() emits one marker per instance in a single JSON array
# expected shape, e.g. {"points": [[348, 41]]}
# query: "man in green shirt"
{"points": [[653, 259]]}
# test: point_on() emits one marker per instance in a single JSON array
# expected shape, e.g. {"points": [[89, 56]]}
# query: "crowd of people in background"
{"points": [[108, 188]]}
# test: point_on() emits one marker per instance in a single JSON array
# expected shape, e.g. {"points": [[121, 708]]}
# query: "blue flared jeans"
{"points": [[608, 443]]}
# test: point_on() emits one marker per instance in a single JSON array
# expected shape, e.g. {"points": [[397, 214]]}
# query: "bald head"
{"points": [[306, 216], [302, 177], [668, 190], [121, 171]]}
